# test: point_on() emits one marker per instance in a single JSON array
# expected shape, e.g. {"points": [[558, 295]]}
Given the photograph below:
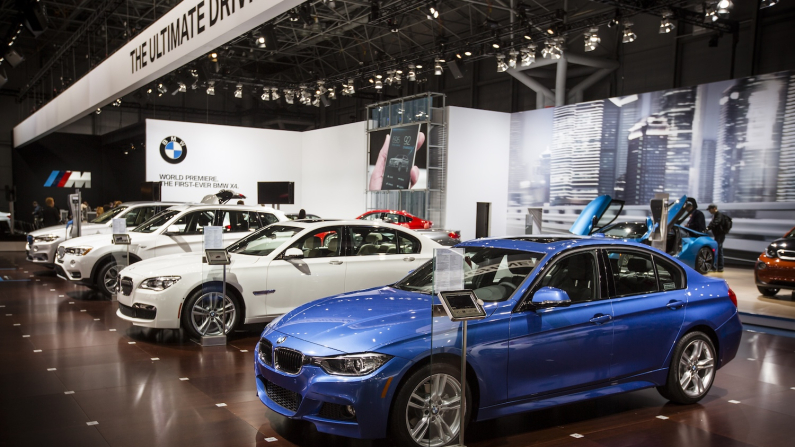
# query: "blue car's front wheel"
{"points": [[427, 410]]}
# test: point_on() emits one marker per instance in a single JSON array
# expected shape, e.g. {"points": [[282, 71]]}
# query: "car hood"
{"points": [[99, 240], [360, 321], [182, 264]]}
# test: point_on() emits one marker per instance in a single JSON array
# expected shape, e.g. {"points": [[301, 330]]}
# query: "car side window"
{"points": [[238, 222], [267, 218], [132, 217], [669, 276], [407, 244], [146, 213], [368, 241], [325, 242], [633, 272], [576, 275], [192, 223]]}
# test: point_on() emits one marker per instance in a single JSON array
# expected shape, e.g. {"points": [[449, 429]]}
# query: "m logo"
{"points": [[69, 179]]}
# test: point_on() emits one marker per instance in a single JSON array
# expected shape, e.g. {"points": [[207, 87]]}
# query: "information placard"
{"points": [[448, 273], [119, 225], [213, 238]]}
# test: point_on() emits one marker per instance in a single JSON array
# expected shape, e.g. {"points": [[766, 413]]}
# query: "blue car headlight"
{"points": [[351, 364]]}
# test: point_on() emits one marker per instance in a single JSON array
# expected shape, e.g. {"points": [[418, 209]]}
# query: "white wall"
{"points": [[477, 160], [334, 171], [328, 165]]}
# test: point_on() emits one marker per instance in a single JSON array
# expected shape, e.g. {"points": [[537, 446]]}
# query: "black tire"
{"points": [[399, 415], [768, 291], [105, 281], [681, 387], [704, 260], [209, 298]]}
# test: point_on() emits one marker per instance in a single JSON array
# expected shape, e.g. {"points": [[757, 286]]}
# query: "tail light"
{"points": [[454, 234], [427, 224], [733, 296]]}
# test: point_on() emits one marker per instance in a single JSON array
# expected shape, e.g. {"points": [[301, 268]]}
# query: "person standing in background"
{"points": [[302, 214], [696, 221], [100, 211], [50, 215], [37, 210], [719, 226]]}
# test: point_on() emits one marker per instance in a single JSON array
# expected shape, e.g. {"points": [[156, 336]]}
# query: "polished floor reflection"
{"points": [[72, 373]]}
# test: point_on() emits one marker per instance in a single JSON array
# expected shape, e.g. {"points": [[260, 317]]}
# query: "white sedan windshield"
{"points": [[264, 241]]}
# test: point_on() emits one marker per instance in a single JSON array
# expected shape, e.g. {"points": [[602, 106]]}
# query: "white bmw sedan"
{"points": [[43, 243], [94, 260], [272, 271]]}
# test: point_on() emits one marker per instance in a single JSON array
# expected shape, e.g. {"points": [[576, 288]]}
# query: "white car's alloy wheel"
{"points": [[433, 413], [209, 317]]}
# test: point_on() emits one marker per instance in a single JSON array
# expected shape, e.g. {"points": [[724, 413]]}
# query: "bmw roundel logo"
{"points": [[281, 339], [173, 149]]}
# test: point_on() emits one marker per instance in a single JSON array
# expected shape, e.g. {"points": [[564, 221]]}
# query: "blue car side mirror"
{"points": [[547, 297]]}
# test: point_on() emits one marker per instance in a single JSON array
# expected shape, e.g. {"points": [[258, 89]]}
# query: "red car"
{"points": [[401, 218], [775, 269]]}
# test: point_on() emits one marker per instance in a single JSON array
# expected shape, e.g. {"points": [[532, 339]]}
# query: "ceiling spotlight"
{"points": [[321, 89], [437, 67], [274, 93], [458, 55], [117, 102], [501, 65], [289, 96], [239, 91], [378, 84], [467, 53], [667, 24], [512, 58], [149, 91], [725, 7], [552, 49], [433, 11], [332, 93], [591, 39], [294, 17], [411, 75], [495, 44], [419, 66], [98, 111], [390, 76], [213, 56], [161, 89], [528, 55], [349, 88], [710, 12], [613, 23], [266, 94], [182, 88], [767, 3], [629, 36], [528, 36], [259, 41], [316, 101], [211, 88]]}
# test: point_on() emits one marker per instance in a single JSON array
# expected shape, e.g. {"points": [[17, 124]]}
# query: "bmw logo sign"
{"points": [[173, 149]]}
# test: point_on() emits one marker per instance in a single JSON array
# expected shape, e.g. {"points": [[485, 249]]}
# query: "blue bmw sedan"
{"points": [[568, 318]]}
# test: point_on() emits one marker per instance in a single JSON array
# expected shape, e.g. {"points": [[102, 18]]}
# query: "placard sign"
{"points": [[213, 238], [448, 269], [119, 225]]}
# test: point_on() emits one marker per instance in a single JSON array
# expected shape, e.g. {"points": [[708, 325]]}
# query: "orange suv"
{"points": [[775, 268]]}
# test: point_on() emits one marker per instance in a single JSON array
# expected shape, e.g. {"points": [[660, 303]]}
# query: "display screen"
{"points": [[400, 157], [275, 193], [460, 302], [462, 306]]}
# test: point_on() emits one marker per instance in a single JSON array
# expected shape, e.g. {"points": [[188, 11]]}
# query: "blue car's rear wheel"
{"points": [[704, 260], [427, 410], [692, 369]]}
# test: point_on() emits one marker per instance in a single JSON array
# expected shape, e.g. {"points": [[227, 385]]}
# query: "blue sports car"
{"points": [[568, 318], [691, 247]]}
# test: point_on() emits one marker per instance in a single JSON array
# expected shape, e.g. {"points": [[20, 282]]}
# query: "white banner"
{"points": [[190, 29]]}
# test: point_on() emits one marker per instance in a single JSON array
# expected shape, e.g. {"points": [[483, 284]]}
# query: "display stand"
{"points": [[659, 215], [120, 237], [218, 257], [462, 305]]}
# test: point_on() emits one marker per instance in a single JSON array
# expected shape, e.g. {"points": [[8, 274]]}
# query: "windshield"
{"points": [[107, 216], [492, 273], [157, 221], [630, 230], [791, 234], [264, 241]]}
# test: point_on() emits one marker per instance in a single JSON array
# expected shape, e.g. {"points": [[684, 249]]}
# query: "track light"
{"points": [[349, 89], [321, 89], [239, 91], [496, 44], [437, 67], [390, 76], [181, 87], [666, 24], [211, 88], [528, 55], [467, 53], [629, 35], [613, 23], [378, 84], [332, 94], [710, 12], [591, 39], [501, 65], [213, 56], [412, 74], [724, 7], [98, 111], [266, 94], [528, 36], [161, 88], [117, 102], [512, 58], [767, 3], [289, 96], [433, 11], [316, 101], [552, 49], [275, 93]]}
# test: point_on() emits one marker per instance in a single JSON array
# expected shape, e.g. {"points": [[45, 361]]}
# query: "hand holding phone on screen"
{"points": [[396, 168]]}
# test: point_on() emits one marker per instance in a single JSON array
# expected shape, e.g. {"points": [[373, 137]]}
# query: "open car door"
{"points": [[677, 212], [599, 213]]}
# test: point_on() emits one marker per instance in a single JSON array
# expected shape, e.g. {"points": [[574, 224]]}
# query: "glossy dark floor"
{"points": [[72, 373]]}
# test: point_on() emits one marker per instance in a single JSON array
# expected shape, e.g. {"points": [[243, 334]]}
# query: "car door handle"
{"points": [[675, 304], [409, 259], [335, 262], [600, 319]]}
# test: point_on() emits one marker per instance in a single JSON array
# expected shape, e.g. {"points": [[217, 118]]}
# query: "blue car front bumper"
{"points": [[322, 398]]}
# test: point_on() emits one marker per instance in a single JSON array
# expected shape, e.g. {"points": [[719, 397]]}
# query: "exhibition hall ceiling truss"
{"points": [[327, 47]]}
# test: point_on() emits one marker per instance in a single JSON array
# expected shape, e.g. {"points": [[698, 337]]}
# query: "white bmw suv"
{"points": [[43, 243], [95, 262]]}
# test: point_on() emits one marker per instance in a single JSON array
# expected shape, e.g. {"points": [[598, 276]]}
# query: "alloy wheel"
{"points": [[111, 279], [433, 413], [704, 260], [696, 368], [210, 317]]}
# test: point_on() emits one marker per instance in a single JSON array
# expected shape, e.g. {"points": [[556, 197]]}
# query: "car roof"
{"points": [[390, 211], [312, 224], [550, 243], [210, 206], [152, 202]]}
